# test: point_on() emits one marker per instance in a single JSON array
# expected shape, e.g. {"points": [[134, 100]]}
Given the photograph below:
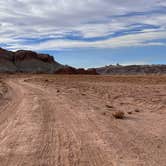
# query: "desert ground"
{"points": [[67, 120]]}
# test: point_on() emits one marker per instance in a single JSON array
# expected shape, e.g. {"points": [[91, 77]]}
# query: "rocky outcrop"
{"points": [[66, 70], [28, 55], [132, 69], [27, 62], [72, 70]]}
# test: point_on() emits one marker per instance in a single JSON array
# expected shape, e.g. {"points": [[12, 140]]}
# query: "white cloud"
{"points": [[143, 39], [89, 18]]}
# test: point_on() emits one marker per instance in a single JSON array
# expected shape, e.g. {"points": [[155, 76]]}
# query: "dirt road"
{"points": [[67, 121]]}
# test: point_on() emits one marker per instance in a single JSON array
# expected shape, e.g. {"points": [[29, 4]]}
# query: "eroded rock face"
{"points": [[6, 61], [6, 55], [28, 55], [27, 61], [31, 62]]}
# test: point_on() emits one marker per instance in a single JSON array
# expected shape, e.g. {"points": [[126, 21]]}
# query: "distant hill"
{"points": [[24, 61], [132, 69], [27, 62]]}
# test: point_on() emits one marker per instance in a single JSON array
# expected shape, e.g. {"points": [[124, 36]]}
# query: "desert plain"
{"points": [[68, 120]]}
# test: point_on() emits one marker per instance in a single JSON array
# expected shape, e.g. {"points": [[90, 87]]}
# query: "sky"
{"points": [[87, 33]]}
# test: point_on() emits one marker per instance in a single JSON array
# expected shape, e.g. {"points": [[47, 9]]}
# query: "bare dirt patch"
{"points": [[67, 120]]}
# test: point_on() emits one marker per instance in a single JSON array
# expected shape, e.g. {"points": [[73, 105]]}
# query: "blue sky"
{"points": [[87, 33]]}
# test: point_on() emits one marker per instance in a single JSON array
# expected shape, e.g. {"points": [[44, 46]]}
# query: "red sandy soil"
{"points": [[62, 120]]}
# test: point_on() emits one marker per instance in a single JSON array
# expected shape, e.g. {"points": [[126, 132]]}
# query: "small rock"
{"points": [[104, 113], [119, 115], [109, 106], [137, 110]]}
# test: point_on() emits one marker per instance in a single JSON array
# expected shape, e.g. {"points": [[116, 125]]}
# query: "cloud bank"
{"points": [[61, 24]]}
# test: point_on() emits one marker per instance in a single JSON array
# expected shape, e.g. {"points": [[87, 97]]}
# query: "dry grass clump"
{"points": [[119, 115]]}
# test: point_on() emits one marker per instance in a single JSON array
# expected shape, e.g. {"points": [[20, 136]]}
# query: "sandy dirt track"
{"points": [[67, 121]]}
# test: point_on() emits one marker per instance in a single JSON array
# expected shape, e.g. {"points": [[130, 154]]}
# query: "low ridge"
{"points": [[131, 69]]}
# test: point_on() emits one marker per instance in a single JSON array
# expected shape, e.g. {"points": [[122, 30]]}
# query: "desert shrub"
{"points": [[119, 115]]}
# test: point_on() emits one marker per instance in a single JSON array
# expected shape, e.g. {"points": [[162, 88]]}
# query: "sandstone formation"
{"points": [[7, 61]]}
